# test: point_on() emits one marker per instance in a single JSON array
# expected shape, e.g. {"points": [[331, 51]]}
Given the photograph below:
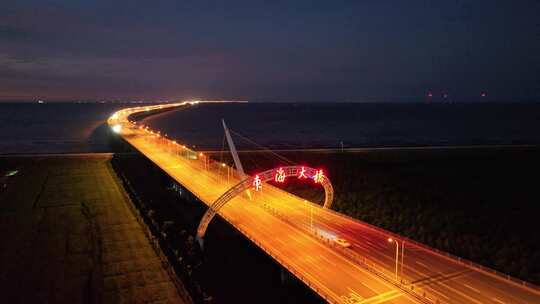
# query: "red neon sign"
{"points": [[302, 173], [280, 175], [257, 184], [318, 177]]}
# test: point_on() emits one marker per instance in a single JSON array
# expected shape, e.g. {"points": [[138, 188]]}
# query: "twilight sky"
{"points": [[358, 50]]}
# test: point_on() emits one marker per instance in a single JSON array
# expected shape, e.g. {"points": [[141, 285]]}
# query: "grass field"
{"points": [[69, 236]]}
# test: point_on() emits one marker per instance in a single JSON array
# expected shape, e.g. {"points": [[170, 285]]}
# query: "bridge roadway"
{"points": [[295, 232]]}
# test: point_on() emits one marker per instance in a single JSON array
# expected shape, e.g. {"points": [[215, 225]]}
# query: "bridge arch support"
{"points": [[277, 174]]}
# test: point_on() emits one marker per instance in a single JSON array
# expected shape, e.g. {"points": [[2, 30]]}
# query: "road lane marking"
{"points": [[295, 238], [444, 284], [359, 245], [440, 294], [470, 287], [421, 264], [313, 262], [429, 286], [384, 297], [352, 298], [327, 260], [352, 291], [279, 240]]}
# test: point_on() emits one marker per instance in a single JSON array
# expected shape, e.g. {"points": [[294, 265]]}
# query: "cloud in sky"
{"points": [[268, 50]]}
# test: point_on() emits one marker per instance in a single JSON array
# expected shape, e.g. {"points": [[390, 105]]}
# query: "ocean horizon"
{"points": [[40, 128]]}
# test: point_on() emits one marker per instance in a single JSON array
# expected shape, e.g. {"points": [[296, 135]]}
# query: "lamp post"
{"points": [[175, 147], [391, 240], [201, 156], [402, 256], [224, 165]]}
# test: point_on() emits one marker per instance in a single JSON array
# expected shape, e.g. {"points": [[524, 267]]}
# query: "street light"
{"points": [[201, 156], [391, 240], [175, 147], [117, 128], [402, 256], [223, 165]]}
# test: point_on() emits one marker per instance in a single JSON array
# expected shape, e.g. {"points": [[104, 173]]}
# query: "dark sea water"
{"points": [[65, 127], [312, 125], [54, 127]]}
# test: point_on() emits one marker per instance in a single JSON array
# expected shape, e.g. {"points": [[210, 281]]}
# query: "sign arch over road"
{"points": [[256, 183]]}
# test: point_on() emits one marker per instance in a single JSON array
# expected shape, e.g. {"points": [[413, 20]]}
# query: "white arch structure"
{"points": [[301, 172]]}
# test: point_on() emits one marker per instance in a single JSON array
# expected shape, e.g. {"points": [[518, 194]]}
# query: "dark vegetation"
{"points": [[230, 269], [478, 204]]}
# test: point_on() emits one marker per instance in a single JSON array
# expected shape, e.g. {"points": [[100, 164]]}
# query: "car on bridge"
{"points": [[342, 242]]}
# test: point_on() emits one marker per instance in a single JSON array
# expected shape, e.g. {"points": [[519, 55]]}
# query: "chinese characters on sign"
{"points": [[318, 177], [302, 173], [257, 185], [280, 175]]}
